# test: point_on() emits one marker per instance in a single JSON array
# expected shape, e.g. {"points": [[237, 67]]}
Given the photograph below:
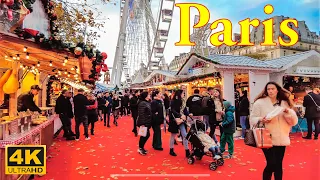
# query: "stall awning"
{"points": [[52, 62]]}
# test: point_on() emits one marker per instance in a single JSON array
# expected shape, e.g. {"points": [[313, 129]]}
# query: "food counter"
{"points": [[28, 128]]}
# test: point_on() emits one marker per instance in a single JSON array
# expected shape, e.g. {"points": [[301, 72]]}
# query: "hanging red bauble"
{"points": [[9, 2], [105, 68], [98, 68], [77, 51], [104, 56]]}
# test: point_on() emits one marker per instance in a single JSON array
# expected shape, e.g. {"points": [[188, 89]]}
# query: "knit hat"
{"points": [[226, 104]]}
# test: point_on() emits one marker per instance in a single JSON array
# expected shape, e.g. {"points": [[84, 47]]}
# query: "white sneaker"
{"points": [[179, 139], [77, 139], [88, 138]]}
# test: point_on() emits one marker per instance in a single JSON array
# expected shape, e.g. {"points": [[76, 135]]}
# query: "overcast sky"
{"points": [[235, 10]]}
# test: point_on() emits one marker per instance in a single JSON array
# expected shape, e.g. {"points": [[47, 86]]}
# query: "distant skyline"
{"points": [[234, 10]]}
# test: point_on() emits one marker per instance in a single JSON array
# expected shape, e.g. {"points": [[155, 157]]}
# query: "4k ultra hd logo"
{"points": [[25, 159]]}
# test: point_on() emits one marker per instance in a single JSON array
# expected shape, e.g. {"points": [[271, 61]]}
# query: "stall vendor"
{"points": [[25, 101]]}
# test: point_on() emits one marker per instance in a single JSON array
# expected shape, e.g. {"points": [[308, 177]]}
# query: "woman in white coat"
{"points": [[272, 96]]}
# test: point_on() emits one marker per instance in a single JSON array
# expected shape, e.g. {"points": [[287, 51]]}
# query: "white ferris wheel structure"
{"points": [[144, 30]]}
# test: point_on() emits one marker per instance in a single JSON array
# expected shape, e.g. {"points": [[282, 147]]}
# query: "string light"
{"points": [[27, 56], [66, 59], [21, 66], [50, 63], [18, 56], [64, 64], [25, 49], [33, 67], [72, 68], [38, 64]]}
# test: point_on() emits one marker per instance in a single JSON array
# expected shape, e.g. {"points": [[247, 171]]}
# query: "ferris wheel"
{"points": [[144, 31]]}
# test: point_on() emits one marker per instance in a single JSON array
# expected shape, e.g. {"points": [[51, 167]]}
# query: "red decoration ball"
{"points": [[104, 56]]}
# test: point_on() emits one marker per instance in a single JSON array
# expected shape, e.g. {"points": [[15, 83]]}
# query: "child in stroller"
{"points": [[203, 144]]}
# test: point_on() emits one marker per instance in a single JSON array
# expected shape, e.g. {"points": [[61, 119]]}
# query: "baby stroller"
{"points": [[198, 149]]}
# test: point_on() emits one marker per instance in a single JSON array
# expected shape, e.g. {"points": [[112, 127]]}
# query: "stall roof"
{"points": [[244, 61], [11, 46], [290, 60], [166, 73], [232, 60]]}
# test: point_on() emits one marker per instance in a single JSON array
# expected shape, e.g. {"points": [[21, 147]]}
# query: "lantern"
{"points": [[104, 68], [104, 56], [77, 51]]}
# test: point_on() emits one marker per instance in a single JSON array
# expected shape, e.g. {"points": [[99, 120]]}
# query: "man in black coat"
{"points": [[64, 109], [81, 113], [25, 101], [134, 110], [312, 101]]}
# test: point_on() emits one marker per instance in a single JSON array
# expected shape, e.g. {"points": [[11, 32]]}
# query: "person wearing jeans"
{"points": [[81, 113], [144, 119], [82, 120], [312, 103], [177, 113], [244, 111]]}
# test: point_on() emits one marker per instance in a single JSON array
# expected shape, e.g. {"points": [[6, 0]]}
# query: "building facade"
{"points": [[178, 61]]}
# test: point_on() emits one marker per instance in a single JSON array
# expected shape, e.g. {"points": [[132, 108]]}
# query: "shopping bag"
{"points": [[143, 131], [262, 137]]}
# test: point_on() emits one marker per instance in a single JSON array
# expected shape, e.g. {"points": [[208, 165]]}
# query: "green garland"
{"points": [[216, 74], [53, 42]]}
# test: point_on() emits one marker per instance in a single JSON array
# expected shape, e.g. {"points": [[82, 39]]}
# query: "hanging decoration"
{"points": [[54, 42], [215, 75]]}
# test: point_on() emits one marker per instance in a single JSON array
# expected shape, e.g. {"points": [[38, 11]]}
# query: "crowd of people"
{"points": [[154, 110]]}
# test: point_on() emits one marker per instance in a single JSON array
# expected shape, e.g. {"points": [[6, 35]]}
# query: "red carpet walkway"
{"points": [[114, 151]]}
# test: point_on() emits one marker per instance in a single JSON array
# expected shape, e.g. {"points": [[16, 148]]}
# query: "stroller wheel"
{"points": [[213, 166], [190, 160], [198, 157], [220, 162]]}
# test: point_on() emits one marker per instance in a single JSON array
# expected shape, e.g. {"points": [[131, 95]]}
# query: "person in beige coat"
{"points": [[272, 96]]}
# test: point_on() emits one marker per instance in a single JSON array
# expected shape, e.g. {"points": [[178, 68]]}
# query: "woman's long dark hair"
{"points": [[177, 94], [283, 94]]}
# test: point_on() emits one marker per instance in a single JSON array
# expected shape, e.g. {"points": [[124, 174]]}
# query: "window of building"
{"points": [[284, 53], [309, 47], [294, 52], [271, 55], [315, 47]]}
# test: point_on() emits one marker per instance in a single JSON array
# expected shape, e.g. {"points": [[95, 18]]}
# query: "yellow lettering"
{"points": [[227, 33], [32, 156], [245, 31], [268, 33], [293, 35], [268, 27], [204, 17], [16, 157]]}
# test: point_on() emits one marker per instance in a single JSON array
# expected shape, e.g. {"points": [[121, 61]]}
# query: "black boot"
{"points": [[172, 153], [187, 153], [92, 132]]}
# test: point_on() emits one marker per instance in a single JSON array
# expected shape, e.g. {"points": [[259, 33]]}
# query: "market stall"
{"points": [[31, 55], [226, 72], [298, 71]]}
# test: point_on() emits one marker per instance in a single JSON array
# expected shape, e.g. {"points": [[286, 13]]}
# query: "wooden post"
{"points": [[14, 97]]}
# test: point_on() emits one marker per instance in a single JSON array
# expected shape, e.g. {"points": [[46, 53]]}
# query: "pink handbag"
{"points": [[262, 137]]}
